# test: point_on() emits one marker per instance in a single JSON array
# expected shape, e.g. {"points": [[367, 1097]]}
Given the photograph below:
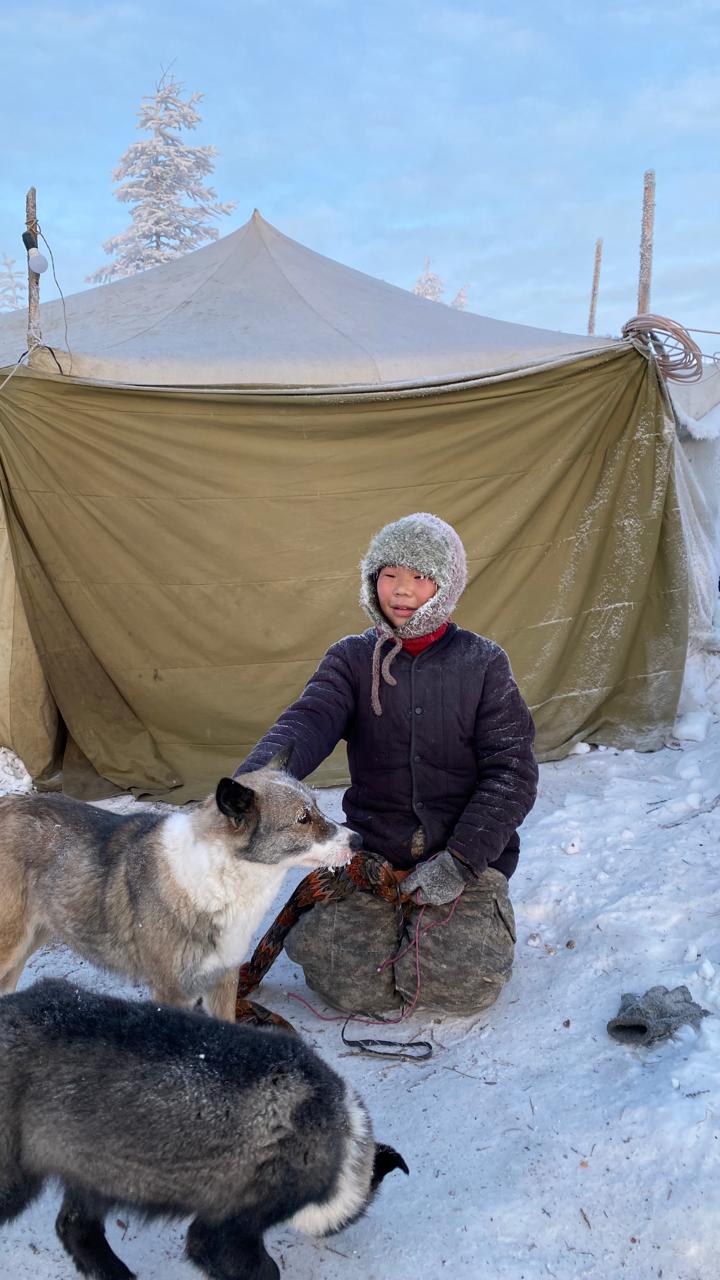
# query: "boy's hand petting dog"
{"points": [[438, 881]]}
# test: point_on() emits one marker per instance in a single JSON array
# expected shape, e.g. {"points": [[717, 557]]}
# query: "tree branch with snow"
{"points": [[163, 178], [13, 285]]}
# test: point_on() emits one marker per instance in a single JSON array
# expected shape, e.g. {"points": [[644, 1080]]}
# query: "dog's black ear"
{"points": [[233, 799], [282, 758], [386, 1159]]}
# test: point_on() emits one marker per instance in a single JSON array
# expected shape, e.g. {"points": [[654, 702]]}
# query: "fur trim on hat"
{"points": [[424, 542], [427, 544]]}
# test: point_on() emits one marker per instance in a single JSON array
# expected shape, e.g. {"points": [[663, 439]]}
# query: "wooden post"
{"points": [[595, 283], [34, 336], [646, 243]]}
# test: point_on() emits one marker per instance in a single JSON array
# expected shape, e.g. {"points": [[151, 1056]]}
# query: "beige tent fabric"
{"points": [[258, 309], [696, 406], [28, 715], [694, 403], [185, 558], [697, 477]]}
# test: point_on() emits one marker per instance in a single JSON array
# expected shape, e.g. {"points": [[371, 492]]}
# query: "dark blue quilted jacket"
{"points": [[448, 764]]}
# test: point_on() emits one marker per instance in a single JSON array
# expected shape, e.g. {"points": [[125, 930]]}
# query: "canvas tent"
{"points": [[696, 407], [192, 472]]}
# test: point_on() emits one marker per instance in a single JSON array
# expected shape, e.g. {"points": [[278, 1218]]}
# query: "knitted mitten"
{"points": [[654, 1016], [439, 880]]}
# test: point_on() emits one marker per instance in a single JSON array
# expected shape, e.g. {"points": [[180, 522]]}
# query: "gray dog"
{"points": [[171, 1113], [169, 900]]}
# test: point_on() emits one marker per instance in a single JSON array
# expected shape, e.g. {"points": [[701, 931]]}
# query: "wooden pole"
{"points": [[34, 336], [646, 243], [595, 283]]}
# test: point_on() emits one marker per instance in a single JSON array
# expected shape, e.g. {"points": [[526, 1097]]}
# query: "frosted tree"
{"points": [[163, 178], [12, 285], [429, 285]]}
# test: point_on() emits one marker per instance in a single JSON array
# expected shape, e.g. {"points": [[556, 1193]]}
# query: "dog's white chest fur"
{"points": [[234, 893]]}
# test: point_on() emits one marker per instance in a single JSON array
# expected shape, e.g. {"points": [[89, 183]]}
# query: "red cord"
{"points": [[414, 942]]}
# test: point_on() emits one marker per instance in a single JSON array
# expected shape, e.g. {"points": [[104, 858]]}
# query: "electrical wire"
{"points": [[715, 355], [679, 357], [62, 299]]}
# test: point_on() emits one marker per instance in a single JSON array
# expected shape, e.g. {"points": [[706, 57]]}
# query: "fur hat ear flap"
{"points": [[233, 799], [282, 758]]}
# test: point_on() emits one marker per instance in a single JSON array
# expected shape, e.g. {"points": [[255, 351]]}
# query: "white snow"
{"points": [[537, 1146], [706, 427], [13, 774]]}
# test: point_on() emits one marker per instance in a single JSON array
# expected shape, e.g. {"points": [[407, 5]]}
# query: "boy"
{"points": [[442, 773]]}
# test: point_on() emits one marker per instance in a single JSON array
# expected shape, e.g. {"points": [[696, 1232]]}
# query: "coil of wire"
{"points": [[679, 357]]}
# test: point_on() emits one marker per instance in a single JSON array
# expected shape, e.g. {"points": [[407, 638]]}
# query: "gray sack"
{"points": [[464, 962]]}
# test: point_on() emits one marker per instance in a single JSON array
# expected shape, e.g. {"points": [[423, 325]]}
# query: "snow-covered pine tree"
{"points": [[12, 285], [429, 285], [156, 175], [459, 302]]}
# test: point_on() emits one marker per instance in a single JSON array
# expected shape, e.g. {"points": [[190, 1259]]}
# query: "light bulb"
{"points": [[37, 262]]}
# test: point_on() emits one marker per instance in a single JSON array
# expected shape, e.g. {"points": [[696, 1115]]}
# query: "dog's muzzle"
{"points": [[354, 844]]}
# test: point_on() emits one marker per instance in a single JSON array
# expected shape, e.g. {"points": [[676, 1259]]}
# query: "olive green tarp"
{"points": [[185, 556]]}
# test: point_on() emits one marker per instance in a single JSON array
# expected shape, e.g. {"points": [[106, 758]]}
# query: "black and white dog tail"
{"points": [[364, 1165]]}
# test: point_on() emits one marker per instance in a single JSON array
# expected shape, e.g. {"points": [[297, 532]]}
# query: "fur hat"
{"points": [[426, 543], [420, 541]]}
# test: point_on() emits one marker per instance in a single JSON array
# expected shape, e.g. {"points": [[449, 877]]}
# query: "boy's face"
{"points": [[401, 591]]}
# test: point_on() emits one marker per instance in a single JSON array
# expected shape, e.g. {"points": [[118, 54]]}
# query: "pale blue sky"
{"points": [[498, 139]]}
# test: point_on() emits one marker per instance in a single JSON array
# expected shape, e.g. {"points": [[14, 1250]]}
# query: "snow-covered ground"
{"points": [[538, 1147]]}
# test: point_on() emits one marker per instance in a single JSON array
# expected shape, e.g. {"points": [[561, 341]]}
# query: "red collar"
{"points": [[418, 643]]}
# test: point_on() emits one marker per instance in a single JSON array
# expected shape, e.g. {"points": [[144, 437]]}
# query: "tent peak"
{"points": [[256, 308]]}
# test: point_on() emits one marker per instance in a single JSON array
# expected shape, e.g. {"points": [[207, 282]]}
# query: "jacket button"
{"points": [[417, 759], [420, 804], [418, 711]]}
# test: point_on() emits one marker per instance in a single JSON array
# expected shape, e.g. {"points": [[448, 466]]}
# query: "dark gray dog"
{"points": [[172, 1113]]}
